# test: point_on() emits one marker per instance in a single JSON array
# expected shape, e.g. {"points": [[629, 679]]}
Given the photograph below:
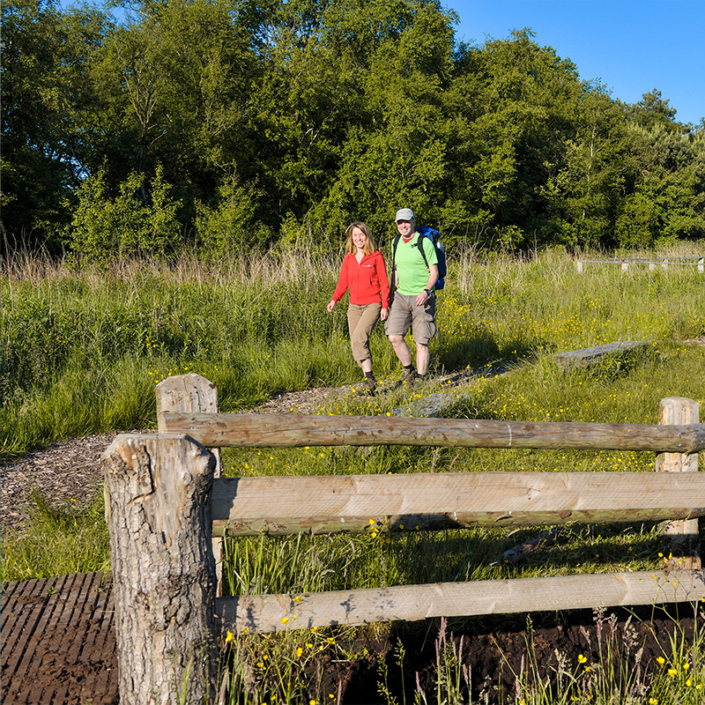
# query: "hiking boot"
{"points": [[410, 377], [370, 384]]}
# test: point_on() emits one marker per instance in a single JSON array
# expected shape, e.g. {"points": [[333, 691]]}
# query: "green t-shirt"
{"points": [[412, 270]]}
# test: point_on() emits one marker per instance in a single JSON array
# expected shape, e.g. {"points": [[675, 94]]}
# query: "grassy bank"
{"points": [[82, 351]]}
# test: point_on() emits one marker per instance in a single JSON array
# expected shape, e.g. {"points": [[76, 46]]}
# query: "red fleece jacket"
{"points": [[367, 280]]}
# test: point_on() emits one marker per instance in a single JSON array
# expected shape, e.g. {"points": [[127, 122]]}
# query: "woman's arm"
{"points": [[342, 284], [383, 280]]}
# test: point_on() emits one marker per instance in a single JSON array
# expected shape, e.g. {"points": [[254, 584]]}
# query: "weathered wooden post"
{"points": [[158, 491], [192, 393], [683, 536]]}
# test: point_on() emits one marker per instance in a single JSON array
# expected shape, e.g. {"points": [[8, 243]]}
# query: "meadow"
{"points": [[82, 349]]}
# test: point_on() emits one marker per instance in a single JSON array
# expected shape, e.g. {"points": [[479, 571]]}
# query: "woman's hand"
{"points": [[330, 306], [383, 314]]}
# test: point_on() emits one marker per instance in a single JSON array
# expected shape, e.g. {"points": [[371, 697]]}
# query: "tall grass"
{"points": [[82, 350]]}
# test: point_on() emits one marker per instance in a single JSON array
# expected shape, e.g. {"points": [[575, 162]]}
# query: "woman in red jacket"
{"points": [[363, 272]]}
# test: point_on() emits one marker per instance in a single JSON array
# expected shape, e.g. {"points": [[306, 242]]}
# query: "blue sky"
{"points": [[633, 46]]}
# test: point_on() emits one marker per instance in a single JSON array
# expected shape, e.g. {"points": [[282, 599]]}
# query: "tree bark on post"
{"points": [[193, 393], [159, 513], [683, 536]]}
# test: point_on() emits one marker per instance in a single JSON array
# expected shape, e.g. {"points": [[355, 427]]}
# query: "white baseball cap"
{"points": [[404, 214]]}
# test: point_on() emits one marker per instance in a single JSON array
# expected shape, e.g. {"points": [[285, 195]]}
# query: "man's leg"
{"points": [[423, 357], [396, 326], [401, 349], [424, 329]]}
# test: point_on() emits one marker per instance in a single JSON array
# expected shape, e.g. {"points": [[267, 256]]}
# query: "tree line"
{"points": [[232, 125]]}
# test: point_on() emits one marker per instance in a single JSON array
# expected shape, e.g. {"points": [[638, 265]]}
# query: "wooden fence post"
{"points": [[193, 393], [683, 536], [159, 488]]}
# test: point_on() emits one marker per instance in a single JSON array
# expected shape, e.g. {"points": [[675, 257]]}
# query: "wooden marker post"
{"points": [[192, 393], [158, 489], [683, 536]]}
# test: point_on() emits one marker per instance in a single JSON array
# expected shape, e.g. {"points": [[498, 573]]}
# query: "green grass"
{"points": [[82, 351], [58, 541], [98, 341]]}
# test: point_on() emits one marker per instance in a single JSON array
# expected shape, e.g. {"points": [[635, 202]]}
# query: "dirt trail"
{"points": [[69, 471]]}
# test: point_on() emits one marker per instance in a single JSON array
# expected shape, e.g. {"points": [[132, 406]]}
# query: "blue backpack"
{"points": [[434, 236]]}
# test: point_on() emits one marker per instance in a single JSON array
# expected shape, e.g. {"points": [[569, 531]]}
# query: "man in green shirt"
{"points": [[414, 304]]}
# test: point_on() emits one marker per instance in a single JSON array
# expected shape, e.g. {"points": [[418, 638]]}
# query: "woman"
{"points": [[363, 272]]}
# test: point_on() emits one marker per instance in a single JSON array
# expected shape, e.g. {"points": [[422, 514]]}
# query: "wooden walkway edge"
{"points": [[58, 641]]}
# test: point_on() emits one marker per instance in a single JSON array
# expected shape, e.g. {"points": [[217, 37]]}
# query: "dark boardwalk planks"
{"points": [[58, 641]]}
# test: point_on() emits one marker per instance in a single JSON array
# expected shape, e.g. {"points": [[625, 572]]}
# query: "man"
{"points": [[414, 303]]}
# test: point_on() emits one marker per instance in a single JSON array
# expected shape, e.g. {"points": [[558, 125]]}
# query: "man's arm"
{"points": [[430, 252], [423, 297]]}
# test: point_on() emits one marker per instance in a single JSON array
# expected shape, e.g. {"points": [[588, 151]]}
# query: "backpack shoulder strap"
{"points": [[394, 251], [419, 246]]}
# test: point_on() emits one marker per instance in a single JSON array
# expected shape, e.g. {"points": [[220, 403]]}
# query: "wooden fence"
{"points": [[164, 505], [652, 262]]}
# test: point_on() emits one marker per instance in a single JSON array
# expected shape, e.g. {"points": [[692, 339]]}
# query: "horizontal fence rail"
{"points": [[408, 502], [619, 260], [166, 501], [254, 431], [651, 261], [268, 613]]}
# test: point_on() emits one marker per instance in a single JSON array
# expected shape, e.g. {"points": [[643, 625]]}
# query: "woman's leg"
{"points": [[361, 321]]}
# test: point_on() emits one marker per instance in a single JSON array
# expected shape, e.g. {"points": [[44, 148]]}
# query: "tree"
{"points": [[46, 53], [173, 83], [106, 227], [514, 106], [653, 110], [394, 152], [667, 200], [586, 189]]}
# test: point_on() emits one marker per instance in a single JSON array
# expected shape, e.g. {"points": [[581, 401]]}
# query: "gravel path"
{"points": [[70, 470]]}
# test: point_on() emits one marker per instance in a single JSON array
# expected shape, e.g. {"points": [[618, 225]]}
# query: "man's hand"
{"points": [[422, 298]]}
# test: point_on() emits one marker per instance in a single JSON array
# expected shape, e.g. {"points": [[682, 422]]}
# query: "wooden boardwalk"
{"points": [[58, 641]]}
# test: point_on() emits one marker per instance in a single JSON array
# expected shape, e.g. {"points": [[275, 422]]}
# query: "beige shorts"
{"points": [[361, 321], [404, 314]]}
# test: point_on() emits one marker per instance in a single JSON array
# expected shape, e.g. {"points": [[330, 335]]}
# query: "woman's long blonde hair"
{"points": [[350, 248]]}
